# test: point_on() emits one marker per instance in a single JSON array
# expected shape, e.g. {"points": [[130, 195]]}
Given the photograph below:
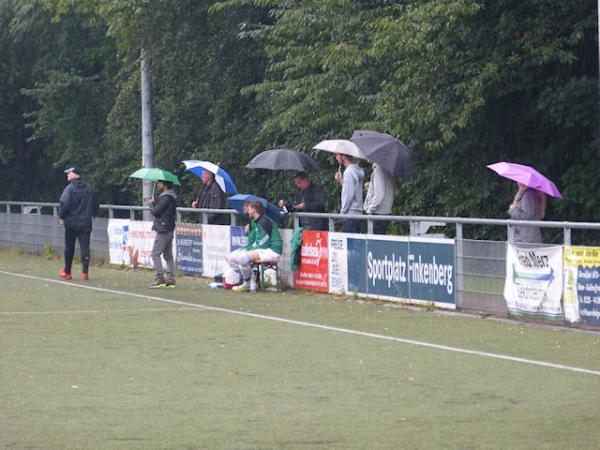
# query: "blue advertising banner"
{"points": [[588, 294], [356, 254], [416, 269], [431, 271], [188, 242], [387, 268], [238, 238]]}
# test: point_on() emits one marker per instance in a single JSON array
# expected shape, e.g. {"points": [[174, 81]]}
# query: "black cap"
{"points": [[76, 170]]}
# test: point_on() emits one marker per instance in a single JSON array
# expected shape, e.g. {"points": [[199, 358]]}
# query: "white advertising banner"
{"points": [[285, 268], [141, 239], [119, 248], [534, 281], [338, 263], [216, 244]]}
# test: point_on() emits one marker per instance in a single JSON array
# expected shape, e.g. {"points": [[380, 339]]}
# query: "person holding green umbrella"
{"points": [[164, 211]]}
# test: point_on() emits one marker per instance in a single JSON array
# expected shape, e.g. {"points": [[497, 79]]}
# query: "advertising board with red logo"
{"points": [[314, 262]]}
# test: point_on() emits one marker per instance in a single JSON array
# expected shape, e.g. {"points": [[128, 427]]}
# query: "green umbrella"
{"points": [[156, 174]]}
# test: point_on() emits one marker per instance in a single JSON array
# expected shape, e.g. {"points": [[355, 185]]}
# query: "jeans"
{"points": [[163, 245], [380, 226], [351, 226], [83, 236]]}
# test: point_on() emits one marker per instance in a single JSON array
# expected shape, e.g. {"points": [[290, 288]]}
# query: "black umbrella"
{"points": [[283, 159], [390, 153]]}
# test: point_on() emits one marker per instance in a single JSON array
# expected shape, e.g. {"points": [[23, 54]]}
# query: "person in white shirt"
{"points": [[380, 197], [352, 199]]}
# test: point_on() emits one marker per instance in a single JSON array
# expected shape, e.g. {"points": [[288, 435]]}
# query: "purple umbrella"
{"points": [[525, 175]]}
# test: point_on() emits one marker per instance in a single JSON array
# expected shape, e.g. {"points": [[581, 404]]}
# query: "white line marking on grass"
{"points": [[318, 326], [92, 311]]}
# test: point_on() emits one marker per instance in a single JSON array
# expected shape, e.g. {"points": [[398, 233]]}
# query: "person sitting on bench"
{"points": [[264, 247]]}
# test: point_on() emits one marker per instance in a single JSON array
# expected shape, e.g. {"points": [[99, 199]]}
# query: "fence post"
{"points": [[131, 214], [233, 219], [567, 236], [296, 222], [111, 214], [331, 224], [179, 216], [459, 265], [369, 226], [54, 211]]}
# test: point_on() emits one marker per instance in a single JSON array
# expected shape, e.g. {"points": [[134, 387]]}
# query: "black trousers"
{"points": [[83, 236]]}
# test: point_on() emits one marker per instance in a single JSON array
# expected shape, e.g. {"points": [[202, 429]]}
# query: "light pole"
{"points": [[147, 132]]}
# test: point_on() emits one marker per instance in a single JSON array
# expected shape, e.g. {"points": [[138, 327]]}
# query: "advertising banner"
{"points": [[314, 262], [238, 238], [141, 240], [338, 263], [387, 273], [397, 268], [286, 275], [188, 241], [409, 269], [216, 243], [431, 271], [534, 281], [582, 284], [119, 248]]}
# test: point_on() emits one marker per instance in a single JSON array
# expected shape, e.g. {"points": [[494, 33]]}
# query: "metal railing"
{"points": [[480, 263], [418, 224]]}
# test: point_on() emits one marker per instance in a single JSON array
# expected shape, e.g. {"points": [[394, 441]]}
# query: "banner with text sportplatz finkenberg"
{"points": [[399, 268]]}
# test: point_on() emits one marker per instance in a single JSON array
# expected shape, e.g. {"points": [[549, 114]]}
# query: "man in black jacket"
{"points": [[78, 203], [310, 198], [164, 212], [211, 196]]}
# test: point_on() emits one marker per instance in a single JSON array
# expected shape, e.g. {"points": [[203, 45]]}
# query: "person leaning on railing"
{"points": [[311, 199], [352, 199], [211, 196], [381, 190], [528, 204]]}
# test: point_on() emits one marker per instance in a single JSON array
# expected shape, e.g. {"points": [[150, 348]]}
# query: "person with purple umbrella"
{"points": [[528, 204]]}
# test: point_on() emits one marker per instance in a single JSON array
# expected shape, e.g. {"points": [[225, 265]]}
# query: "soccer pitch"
{"points": [[110, 364]]}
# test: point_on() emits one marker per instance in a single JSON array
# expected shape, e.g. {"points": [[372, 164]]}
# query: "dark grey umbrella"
{"points": [[283, 159], [390, 153]]}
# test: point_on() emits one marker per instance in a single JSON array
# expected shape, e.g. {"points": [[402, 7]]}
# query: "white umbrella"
{"points": [[340, 146]]}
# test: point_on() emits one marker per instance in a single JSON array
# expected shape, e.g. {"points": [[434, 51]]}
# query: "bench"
{"points": [[260, 268]]}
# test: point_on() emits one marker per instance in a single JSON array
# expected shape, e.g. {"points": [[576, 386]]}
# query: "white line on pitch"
{"points": [[318, 326], [92, 311]]}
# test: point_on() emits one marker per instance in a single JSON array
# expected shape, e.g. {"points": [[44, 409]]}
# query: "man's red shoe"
{"points": [[85, 277], [64, 275]]}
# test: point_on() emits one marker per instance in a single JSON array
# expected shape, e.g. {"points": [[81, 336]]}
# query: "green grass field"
{"points": [[83, 368]]}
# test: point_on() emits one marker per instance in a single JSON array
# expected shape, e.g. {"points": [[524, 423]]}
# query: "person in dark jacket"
{"points": [[210, 196], [310, 198], [78, 203], [164, 211]]}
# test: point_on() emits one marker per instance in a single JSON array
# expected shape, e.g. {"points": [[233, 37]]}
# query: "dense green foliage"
{"points": [[463, 82]]}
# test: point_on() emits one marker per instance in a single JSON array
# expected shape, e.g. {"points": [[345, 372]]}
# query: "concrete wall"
{"points": [[34, 232]]}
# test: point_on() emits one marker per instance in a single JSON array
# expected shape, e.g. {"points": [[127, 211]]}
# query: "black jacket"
{"points": [[313, 198], [78, 203], [164, 212], [212, 197]]}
